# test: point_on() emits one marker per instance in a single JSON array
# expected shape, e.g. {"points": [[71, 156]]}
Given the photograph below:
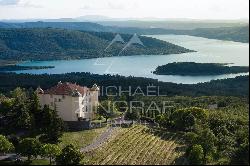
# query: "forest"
{"points": [[213, 135], [238, 86], [55, 44], [30, 131], [212, 119], [230, 32], [237, 34], [199, 69]]}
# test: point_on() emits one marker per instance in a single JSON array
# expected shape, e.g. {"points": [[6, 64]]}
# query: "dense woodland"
{"points": [[229, 32], [238, 86], [198, 69], [86, 26], [30, 131], [52, 44], [237, 34]]}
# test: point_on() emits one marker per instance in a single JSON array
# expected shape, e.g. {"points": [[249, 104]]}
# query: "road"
{"points": [[104, 137]]}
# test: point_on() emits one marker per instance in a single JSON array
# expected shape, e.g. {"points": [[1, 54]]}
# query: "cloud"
{"points": [[19, 3], [30, 5], [196, 9], [116, 6], [86, 7], [9, 2]]}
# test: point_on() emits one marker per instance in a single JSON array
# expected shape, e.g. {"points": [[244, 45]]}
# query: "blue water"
{"points": [[208, 51]]}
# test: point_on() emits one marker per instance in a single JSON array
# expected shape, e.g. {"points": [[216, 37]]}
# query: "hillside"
{"points": [[86, 26], [176, 24], [52, 44], [198, 69], [238, 86], [139, 146], [237, 34], [221, 31]]}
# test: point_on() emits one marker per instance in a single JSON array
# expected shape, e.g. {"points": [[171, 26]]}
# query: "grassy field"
{"points": [[80, 139], [139, 145]]}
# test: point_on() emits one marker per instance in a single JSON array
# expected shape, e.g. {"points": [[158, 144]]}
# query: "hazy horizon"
{"points": [[126, 9]]}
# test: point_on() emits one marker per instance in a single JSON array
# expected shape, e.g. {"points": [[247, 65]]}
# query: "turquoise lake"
{"points": [[208, 51]]}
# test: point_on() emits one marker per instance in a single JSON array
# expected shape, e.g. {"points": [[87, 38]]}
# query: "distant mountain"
{"points": [[238, 34], [144, 22], [175, 24], [86, 26], [52, 44], [59, 20], [93, 18]]}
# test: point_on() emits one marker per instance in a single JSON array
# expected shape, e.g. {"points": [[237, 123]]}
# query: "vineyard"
{"points": [[139, 145]]}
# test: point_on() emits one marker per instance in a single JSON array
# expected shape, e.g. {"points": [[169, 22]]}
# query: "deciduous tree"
{"points": [[51, 151], [5, 145], [107, 109], [133, 115], [29, 147], [69, 156], [196, 155]]}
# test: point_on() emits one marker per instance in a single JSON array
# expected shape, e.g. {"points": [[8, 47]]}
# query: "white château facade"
{"points": [[72, 102]]}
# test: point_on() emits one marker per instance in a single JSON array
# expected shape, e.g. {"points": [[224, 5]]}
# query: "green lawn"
{"points": [[80, 139]]}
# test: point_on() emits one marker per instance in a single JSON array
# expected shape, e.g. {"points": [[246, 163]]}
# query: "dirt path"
{"points": [[100, 140]]}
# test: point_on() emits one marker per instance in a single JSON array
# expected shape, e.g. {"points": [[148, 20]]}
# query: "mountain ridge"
{"points": [[237, 33], [57, 44]]}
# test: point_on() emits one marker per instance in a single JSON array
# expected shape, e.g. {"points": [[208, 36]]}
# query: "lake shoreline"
{"points": [[207, 51], [14, 68]]}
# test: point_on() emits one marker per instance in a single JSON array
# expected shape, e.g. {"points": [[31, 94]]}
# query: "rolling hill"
{"points": [[86, 26], [237, 34], [53, 44], [230, 32]]}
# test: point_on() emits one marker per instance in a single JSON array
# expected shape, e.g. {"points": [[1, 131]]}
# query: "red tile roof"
{"points": [[66, 89]]}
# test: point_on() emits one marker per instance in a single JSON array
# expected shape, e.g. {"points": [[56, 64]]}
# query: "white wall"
{"points": [[68, 107]]}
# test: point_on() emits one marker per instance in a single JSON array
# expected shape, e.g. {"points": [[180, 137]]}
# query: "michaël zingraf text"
{"points": [[116, 91]]}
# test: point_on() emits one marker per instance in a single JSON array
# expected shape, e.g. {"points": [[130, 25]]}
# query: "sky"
{"points": [[193, 9]]}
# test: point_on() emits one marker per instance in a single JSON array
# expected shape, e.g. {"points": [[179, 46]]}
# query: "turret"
{"points": [[76, 93], [39, 90], [95, 88]]}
